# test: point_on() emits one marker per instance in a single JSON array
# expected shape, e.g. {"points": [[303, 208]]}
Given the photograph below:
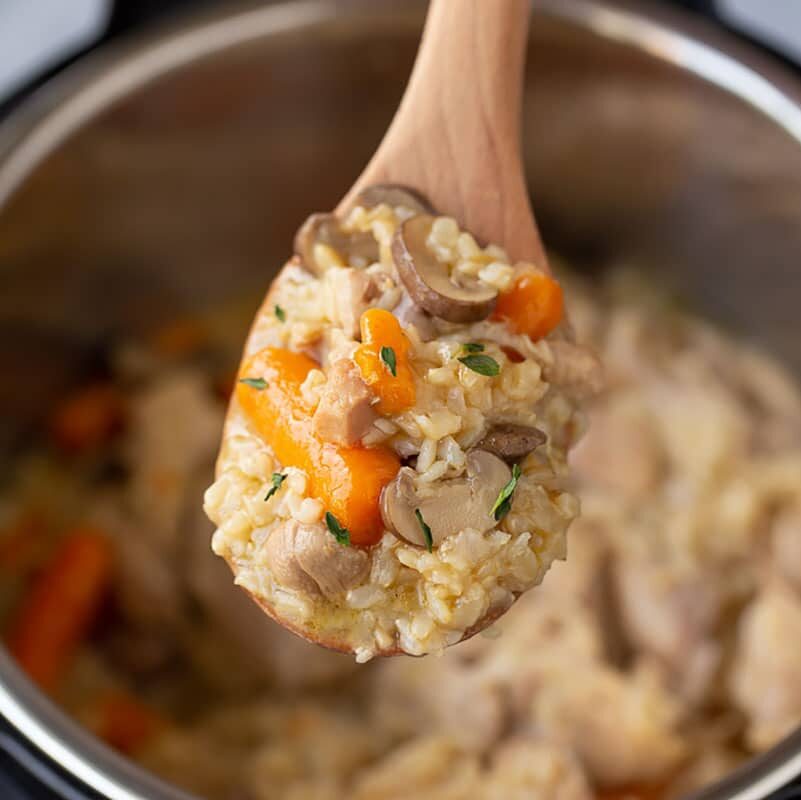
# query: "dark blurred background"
{"points": [[40, 37]]}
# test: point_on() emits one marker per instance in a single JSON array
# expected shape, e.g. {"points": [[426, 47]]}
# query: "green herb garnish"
{"points": [[504, 501], [254, 383], [342, 535], [483, 365], [280, 313], [278, 479], [473, 347], [388, 357], [425, 529]]}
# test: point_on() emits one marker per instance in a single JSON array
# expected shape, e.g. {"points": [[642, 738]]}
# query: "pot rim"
{"points": [[82, 91]]}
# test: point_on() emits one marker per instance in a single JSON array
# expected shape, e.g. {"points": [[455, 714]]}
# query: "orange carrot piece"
{"points": [[533, 306], [88, 418], [180, 338], [380, 329], [60, 606], [125, 723], [23, 543], [348, 480]]}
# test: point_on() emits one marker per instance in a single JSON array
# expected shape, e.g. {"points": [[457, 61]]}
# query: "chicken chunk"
{"points": [[576, 370], [767, 663], [345, 412], [672, 618], [533, 770], [623, 727], [621, 450], [308, 559], [350, 293]]}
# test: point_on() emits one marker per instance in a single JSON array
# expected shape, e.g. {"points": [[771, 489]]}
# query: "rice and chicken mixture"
{"points": [[660, 655], [392, 471]]}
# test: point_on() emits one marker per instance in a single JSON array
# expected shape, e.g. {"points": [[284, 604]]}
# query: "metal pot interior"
{"points": [[174, 179]]}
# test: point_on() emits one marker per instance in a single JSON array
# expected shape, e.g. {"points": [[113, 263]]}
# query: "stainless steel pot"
{"points": [[161, 177]]}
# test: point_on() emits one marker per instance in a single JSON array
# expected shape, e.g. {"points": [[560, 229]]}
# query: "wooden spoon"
{"points": [[456, 139]]}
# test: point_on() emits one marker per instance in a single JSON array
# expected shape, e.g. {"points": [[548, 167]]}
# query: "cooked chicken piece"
{"points": [[767, 665], [427, 768], [532, 770], [672, 617], [175, 427], [345, 412], [623, 727], [786, 544], [576, 370], [308, 559], [621, 450], [351, 290], [453, 695]]}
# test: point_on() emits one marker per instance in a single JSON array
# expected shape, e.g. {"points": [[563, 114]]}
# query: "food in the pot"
{"points": [[659, 656], [392, 473]]}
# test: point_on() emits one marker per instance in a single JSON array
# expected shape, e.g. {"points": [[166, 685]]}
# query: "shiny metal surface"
{"points": [[157, 179]]}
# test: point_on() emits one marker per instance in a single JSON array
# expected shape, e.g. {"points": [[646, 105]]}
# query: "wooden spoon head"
{"points": [[336, 641]]}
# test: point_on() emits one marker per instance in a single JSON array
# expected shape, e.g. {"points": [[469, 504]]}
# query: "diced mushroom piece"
{"points": [[511, 442], [427, 279], [448, 507], [345, 412], [326, 229], [575, 369], [394, 195], [351, 291], [307, 559]]}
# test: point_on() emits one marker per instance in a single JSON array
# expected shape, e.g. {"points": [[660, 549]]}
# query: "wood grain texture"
{"points": [[456, 136]]}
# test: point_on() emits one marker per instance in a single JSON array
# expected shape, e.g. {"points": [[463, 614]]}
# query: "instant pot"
{"points": [[161, 176]]}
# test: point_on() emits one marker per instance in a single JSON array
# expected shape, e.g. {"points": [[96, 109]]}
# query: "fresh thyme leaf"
{"points": [[473, 347], [483, 365], [254, 383], [504, 501], [342, 535], [388, 357], [278, 479], [280, 313], [425, 529]]}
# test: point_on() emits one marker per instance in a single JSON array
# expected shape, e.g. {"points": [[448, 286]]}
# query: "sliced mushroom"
{"points": [[394, 195], [427, 280], [447, 507], [326, 229], [309, 560], [512, 442]]}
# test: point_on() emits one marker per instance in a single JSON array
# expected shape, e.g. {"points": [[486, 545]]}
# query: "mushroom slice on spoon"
{"points": [[427, 279], [326, 230], [448, 507], [512, 442], [394, 195]]}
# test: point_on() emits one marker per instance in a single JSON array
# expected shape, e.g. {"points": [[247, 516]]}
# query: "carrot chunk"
{"points": [[125, 723], [384, 362], [533, 306], [60, 606], [88, 418], [348, 480]]}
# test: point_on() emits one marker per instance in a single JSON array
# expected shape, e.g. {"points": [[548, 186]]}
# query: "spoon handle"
{"points": [[456, 136]]}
